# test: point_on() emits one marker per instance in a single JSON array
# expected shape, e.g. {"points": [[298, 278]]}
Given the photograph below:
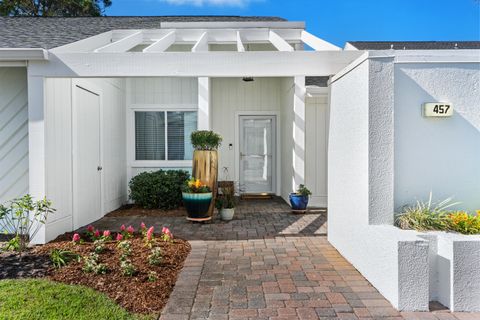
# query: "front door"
{"points": [[87, 191], [257, 154]]}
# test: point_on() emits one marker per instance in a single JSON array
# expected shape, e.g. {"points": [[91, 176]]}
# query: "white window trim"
{"points": [[133, 163]]}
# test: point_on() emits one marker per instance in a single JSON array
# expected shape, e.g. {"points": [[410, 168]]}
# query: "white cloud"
{"points": [[200, 3]]}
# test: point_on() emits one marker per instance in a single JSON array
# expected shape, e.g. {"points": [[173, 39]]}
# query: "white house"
{"points": [[88, 103]]}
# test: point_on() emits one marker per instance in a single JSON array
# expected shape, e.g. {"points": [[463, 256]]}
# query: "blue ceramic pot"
{"points": [[197, 205], [298, 202]]}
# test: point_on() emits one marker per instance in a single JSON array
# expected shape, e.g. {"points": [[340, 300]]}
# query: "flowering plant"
{"points": [[107, 235], [127, 233], [92, 233], [195, 186], [149, 237], [167, 236], [77, 239], [463, 222]]}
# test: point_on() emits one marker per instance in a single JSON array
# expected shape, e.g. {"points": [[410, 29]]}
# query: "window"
{"points": [[164, 135]]}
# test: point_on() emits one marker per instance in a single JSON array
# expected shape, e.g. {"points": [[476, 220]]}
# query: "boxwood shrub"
{"points": [[160, 189]]}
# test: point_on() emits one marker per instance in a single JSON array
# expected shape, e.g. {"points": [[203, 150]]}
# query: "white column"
{"points": [[36, 144], [204, 114], [298, 132]]}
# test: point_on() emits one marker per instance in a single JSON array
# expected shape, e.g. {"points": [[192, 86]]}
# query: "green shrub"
{"points": [[205, 140], [160, 189]]}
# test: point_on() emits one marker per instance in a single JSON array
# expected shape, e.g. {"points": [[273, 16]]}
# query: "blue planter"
{"points": [[197, 205], [298, 202]]}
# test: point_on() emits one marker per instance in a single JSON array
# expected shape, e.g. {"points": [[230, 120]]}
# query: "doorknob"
{"points": [[99, 168]]}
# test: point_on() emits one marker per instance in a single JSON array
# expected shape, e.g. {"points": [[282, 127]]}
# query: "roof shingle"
{"points": [[48, 33]]}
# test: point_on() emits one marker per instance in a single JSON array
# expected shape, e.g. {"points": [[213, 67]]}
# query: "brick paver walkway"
{"points": [[270, 264]]}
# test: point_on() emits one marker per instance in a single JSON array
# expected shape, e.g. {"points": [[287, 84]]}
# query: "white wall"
{"points": [[13, 133], [162, 92], [437, 155], [58, 159], [316, 140], [232, 95], [287, 118], [396, 263]]}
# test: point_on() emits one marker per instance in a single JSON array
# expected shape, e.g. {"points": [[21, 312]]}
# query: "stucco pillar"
{"points": [[36, 144], [204, 108], [298, 132]]}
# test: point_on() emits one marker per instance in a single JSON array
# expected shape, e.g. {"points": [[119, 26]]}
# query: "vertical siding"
{"points": [[230, 95], [58, 124], [13, 133], [316, 152]]}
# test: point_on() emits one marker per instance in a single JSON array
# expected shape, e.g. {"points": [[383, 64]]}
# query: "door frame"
{"points": [[277, 178], [90, 87]]}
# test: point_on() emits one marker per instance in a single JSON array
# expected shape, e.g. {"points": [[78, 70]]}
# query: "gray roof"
{"points": [[47, 33], [317, 81], [414, 45]]}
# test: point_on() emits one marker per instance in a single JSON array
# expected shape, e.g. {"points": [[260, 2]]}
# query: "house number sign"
{"points": [[437, 109]]}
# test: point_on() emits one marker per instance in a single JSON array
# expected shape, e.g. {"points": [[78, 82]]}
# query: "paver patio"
{"points": [[270, 264]]}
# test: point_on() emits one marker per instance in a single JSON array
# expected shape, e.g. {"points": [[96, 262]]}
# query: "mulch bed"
{"points": [[136, 293], [134, 211], [27, 265]]}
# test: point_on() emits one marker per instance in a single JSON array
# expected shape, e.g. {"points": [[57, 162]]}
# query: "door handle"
{"points": [[99, 168]]}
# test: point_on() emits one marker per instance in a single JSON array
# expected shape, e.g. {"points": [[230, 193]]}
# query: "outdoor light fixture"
{"points": [[248, 79]]}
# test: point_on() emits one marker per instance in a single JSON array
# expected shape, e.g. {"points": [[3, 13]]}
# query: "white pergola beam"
{"points": [[123, 44], [316, 43], [240, 46], [202, 43], [279, 42], [162, 44]]}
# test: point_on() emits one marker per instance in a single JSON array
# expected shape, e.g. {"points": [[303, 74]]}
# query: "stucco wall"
{"points": [[13, 133], [438, 155], [392, 260]]}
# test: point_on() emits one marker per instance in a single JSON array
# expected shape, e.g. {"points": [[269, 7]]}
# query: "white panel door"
{"points": [[257, 154], [87, 175]]}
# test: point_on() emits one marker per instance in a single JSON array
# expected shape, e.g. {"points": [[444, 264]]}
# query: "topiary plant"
{"points": [[205, 140]]}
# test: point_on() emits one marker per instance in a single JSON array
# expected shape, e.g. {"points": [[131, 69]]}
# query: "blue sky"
{"points": [[337, 21]]}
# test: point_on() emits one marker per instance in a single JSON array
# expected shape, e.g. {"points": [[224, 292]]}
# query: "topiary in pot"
{"points": [[205, 160]]}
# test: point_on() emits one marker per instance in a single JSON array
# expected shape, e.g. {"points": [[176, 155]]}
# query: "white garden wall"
{"points": [[13, 133], [364, 184], [58, 157], [437, 155]]}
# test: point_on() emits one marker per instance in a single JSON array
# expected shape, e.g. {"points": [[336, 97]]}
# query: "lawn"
{"points": [[45, 300]]}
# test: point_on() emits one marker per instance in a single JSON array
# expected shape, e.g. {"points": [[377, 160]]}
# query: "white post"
{"points": [[298, 132], [36, 144], [204, 114]]}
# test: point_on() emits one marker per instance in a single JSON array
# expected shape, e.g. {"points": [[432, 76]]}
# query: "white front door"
{"points": [[87, 176], [257, 154]]}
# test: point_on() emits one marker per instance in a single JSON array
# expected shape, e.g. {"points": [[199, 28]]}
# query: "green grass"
{"points": [[46, 300]]}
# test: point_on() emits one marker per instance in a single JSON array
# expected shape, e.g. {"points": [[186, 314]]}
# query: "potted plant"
{"points": [[205, 159], [197, 198], [226, 201], [299, 199]]}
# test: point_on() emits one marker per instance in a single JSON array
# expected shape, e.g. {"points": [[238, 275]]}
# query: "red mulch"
{"points": [[136, 294], [133, 210]]}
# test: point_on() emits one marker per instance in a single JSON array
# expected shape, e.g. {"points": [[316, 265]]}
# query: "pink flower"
{"points": [[150, 233], [122, 228], [119, 237], [106, 233], [96, 234], [130, 230], [90, 228], [76, 237], [166, 231], [143, 226]]}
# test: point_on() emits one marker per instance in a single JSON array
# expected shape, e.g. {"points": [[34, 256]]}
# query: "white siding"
{"points": [[232, 95], [287, 151], [176, 93], [13, 133], [58, 120], [316, 150]]}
